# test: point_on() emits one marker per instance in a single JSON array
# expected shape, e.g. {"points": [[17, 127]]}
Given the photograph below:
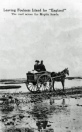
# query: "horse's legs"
{"points": [[53, 85], [62, 84]]}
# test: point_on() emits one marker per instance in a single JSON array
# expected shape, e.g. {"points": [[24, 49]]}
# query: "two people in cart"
{"points": [[39, 66]]}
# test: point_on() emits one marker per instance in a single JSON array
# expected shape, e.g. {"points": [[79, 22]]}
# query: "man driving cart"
{"points": [[39, 66]]}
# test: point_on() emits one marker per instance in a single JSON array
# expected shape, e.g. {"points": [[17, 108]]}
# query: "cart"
{"points": [[44, 81], [38, 82]]}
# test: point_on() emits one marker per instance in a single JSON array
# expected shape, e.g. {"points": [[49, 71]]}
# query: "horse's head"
{"points": [[66, 71]]}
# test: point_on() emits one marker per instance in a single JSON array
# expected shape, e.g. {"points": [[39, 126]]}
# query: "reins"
{"points": [[59, 75]]}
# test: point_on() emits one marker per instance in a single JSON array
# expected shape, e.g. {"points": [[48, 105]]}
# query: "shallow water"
{"points": [[42, 113]]}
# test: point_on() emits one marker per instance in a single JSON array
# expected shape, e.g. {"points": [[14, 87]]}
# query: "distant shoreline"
{"points": [[68, 91], [24, 80]]}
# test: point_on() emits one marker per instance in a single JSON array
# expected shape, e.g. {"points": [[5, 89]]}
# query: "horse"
{"points": [[59, 77]]}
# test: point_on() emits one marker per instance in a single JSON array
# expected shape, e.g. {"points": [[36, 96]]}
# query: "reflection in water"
{"points": [[41, 125], [51, 100], [63, 103], [44, 110], [37, 114]]}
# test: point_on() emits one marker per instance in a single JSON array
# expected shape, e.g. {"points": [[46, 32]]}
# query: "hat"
{"points": [[41, 60], [37, 61]]}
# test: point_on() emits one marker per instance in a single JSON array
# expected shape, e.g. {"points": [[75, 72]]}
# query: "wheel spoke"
{"points": [[31, 87], [48, 85], [44, 82], [41, 80]]}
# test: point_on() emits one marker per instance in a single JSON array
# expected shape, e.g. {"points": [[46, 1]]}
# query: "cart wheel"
{"points": [[44, 83], [32, 87]]}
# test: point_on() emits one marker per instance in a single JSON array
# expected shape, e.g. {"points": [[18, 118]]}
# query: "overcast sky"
{"points": [[55, 39]]}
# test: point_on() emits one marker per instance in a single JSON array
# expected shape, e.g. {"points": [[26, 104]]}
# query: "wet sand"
{"points": [[41, 113]]}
